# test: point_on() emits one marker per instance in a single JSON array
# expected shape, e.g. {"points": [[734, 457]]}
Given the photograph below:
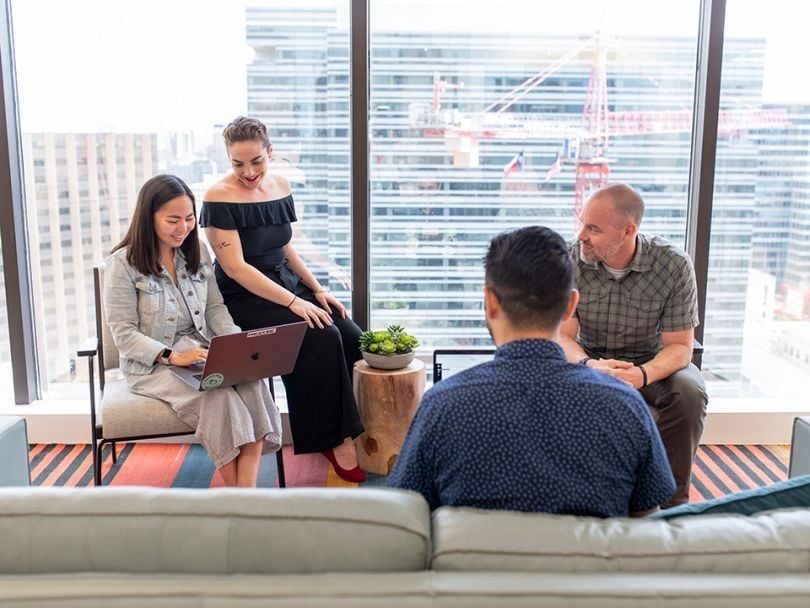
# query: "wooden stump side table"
{"points": [[387, 401]]}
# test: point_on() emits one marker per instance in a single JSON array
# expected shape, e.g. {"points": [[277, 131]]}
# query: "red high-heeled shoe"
{"points": [[354, 475]]}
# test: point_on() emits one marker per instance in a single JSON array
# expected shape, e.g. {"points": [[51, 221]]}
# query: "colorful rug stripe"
{"points": [[145, 465], [59, 465], [725, 469], [718, 470]]}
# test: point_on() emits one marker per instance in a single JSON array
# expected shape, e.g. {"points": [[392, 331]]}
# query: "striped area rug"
{"points": [[170, 466], [719, 469], [725, 469]]}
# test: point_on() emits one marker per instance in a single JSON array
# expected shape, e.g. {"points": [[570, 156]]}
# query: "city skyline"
{"points": [[431, 219], [130, 86]]}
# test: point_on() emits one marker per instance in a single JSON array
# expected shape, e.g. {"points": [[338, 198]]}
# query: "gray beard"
{"points": [[592, 259]]}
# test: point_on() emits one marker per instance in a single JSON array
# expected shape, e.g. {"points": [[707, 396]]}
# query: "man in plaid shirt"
{"points": [[636, 320]]}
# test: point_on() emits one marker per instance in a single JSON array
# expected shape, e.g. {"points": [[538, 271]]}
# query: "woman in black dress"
{"points": [[247, 217]]}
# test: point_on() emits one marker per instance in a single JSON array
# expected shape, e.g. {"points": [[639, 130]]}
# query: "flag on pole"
{"points": [[516, 164], [554, 169]]}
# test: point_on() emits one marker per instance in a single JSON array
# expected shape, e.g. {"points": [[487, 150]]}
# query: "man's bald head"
{"points": [[627, 203]]}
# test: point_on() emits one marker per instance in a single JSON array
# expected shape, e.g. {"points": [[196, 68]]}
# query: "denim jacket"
{"points": [[141, 310]]}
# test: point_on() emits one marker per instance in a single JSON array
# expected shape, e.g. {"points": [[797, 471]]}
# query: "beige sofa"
{"points": [[347, 547]]}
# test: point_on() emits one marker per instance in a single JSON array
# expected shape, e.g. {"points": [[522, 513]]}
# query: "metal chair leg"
{"points": [[114, 454], [97, 460], [282, 483], [96, 464]]}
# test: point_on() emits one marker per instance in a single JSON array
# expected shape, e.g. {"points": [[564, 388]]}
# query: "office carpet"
{"points": [[719, 469]]}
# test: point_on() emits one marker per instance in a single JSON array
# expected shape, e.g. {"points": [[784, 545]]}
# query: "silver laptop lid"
{"points": [[450, 361]]}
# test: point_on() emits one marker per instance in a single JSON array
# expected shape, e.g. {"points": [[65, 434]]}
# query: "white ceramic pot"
{"points": [[388, 361]]}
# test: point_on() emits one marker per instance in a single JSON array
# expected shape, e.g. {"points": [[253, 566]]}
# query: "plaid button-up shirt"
{"points": [[623, 319]]}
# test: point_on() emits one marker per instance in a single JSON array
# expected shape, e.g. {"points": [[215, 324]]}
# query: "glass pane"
{"points": [[758, 297], [298, 84], [116, 105], [6, 376], [490, 116]]}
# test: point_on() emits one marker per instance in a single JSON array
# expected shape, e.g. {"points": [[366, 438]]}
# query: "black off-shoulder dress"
{"points": [[323, 411]]}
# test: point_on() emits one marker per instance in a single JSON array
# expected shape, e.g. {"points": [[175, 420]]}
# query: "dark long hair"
{"points": [[143, 249]]}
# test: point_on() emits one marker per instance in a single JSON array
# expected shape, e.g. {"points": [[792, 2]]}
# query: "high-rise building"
{"points": [[80, 190], [795, 153], [782, 226]]}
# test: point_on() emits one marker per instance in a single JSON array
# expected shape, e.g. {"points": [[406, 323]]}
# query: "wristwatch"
{"points": [[165, 355], [584, 360]]}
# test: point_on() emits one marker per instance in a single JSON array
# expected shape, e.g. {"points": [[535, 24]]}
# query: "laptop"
{"points": [[450, 361], [246, 357]]}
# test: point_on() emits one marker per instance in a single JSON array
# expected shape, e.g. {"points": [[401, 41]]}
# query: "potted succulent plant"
{"points": [[391, 348]]}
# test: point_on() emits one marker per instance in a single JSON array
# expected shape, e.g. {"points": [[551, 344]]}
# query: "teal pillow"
{"points": [[791, 493]]}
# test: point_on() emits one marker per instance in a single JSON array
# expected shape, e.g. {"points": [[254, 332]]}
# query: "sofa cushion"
{"points": [[125, 414], [471, 539], [782, 495], [150, 530]]}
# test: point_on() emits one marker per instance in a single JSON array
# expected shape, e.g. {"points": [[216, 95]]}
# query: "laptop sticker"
{"points": [[213, 381]]}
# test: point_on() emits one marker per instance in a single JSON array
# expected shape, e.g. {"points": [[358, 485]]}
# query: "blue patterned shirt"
{"points": [[530, 432]]}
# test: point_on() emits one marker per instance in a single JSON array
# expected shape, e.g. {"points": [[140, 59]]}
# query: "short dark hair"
{"points": [[531, 273], [243, 128], [143, 249]]}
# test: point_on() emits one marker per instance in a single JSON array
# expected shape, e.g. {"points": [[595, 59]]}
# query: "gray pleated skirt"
{"points": [[225, 418]]}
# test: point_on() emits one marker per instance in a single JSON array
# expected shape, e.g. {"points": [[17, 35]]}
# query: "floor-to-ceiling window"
{"points": [[6, 378], [489, 116], [758, 295], [112, 93], [483, 117], [298, 84]]}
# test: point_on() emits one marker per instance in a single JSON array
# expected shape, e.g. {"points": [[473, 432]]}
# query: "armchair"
{"points": [[120, 415]]}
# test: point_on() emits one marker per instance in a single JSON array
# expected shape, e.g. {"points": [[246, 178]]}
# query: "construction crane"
{"points": [[586, 139]]}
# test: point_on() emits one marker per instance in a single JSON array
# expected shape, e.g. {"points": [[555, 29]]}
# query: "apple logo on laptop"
{"points": [[255, 356]]}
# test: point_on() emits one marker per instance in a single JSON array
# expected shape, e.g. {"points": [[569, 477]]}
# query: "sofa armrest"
{"points": [[800, 447], [15, 469]]}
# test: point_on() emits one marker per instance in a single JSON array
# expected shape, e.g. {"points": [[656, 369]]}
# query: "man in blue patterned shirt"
{"points": [[529, 431]]}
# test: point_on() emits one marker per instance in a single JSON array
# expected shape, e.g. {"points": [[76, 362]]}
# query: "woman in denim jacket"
{"points": [[160, 291]]}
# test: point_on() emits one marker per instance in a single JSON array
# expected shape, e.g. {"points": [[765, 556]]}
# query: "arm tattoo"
{"points": [[222, 245]]}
